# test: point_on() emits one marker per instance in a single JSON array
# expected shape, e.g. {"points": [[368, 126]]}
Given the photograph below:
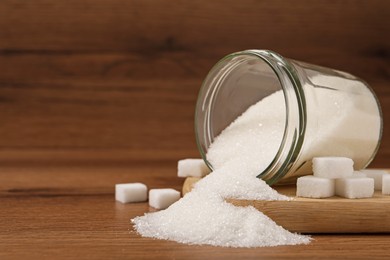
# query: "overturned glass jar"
{"points": [[326, 112]]}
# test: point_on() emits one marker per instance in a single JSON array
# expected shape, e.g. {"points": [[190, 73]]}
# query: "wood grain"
{"points": [[85, 75], [70, 212], [98, 92]]}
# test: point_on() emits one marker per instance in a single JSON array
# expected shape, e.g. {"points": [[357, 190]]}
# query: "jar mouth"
{"points": [[295, 106], [380, 127]]}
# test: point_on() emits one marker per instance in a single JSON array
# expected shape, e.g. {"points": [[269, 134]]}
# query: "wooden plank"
{"points": [[132, 114], [114, 68], [136, 116], [121, 67], [199, 26], [84, 157], [106, 35], [106, 74], [329, 215]]}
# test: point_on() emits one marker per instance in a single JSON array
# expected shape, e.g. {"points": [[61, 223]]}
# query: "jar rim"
{"points": [[296, 116], [372, 157]]}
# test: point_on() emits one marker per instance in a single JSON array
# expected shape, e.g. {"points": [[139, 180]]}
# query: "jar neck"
{"points": [[294, 98]]}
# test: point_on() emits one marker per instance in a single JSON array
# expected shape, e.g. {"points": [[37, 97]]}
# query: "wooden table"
{"points": [[70, 212]]}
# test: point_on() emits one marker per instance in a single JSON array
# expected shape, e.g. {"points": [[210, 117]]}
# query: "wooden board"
{"points": [[331, 215]]}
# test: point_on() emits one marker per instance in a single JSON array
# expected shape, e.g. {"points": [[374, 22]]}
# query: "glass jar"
{"points": [[327, 112]]}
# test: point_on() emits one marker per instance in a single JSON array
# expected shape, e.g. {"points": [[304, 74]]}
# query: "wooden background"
{"points": [[99, 92], [116, 81]]}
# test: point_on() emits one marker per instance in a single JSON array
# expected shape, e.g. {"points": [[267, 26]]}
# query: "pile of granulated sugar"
{"points": [[239, 154]]}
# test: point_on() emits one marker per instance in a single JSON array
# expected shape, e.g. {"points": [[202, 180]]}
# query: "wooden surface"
{"points": [[96, 92], [336, 215], [70, 213]]}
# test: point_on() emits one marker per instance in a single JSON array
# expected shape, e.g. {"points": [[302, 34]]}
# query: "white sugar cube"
{"points": [[131, 192], [358, 174], [355, 187], [163, 198], [192, 168], [386, 184], [315, 187], [332, 167], [376, 175]]}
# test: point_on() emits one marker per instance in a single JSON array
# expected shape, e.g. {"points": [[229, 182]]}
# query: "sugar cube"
{"points": [[386, 184], [358, 174], [315, 187], [355, 187], [376, 175], [192, 168], [131, 192], [163, 198], [332, 167]]}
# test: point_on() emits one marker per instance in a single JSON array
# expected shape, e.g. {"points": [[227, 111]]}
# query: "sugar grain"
{"points": [[203, 216]]}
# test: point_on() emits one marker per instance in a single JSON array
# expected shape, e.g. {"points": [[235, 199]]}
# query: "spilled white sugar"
{"points": [[202, 216]]}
